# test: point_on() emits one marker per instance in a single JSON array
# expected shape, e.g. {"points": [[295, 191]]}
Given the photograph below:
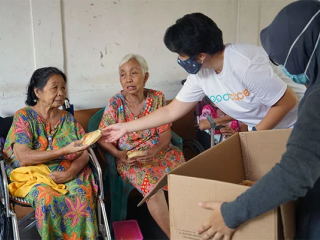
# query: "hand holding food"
{"points": [[91, 137], [136, 154]]}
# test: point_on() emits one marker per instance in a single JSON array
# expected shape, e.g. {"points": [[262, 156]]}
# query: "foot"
{"points": [[60, 176]]}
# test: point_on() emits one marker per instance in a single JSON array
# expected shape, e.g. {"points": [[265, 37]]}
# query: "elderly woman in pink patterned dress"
{"points": [[133, 102]]}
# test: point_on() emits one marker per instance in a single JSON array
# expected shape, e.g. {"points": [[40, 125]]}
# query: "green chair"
{"points": [[119, 189]]}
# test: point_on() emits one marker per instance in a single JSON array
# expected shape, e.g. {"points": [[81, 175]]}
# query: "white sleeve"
{"points": [[191, 90], [298, 89], [264, 83]]}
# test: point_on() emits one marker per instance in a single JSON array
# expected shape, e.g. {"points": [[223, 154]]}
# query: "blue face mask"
{"points": [[190, 65], [300, 79]]}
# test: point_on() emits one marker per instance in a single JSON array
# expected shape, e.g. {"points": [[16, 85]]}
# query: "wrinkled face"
{"points": [[131, 77], [54, 93]]}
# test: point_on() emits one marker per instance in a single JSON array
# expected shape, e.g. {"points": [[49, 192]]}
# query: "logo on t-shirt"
{"points": [[230, 96]]}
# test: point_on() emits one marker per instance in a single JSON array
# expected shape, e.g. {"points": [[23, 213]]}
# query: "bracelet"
{"points": [[254, 129]]}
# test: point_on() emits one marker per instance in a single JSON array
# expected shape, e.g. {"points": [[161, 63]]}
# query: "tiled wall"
{"points": [[87, 39]]}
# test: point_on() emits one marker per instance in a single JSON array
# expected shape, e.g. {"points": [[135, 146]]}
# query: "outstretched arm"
{"points": [[27, 156], [167, 114]]}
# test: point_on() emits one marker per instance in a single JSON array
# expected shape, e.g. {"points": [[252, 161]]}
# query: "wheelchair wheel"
{"points": [[191, 148]]}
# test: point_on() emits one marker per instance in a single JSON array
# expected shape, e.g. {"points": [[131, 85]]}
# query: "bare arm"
{"points": [[161, 116], [164, 141], [26, 156], [165, 138], [76, 166], [243, 127], [119, 154], [109, 147], [278, 111], [204, 123]]}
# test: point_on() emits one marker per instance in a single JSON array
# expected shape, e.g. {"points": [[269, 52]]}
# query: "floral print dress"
{"points": [[208, 110], [70, 216], [143, 176]]}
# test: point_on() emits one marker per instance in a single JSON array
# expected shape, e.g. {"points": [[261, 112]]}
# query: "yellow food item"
{"points": [[91, 137], [247, 183], [132, 154]]}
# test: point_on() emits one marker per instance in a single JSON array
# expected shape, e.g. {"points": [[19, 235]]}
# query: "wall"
{"points": [[87, 39]]}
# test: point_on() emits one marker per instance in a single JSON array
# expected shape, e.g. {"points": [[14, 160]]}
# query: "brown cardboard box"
{"points": [[215, 175]]}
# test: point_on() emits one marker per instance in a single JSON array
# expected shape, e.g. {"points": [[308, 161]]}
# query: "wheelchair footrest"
{"points": [[27, 222]]}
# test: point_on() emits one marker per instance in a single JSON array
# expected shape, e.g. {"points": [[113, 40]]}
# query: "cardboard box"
{"points": [[215, 174]]}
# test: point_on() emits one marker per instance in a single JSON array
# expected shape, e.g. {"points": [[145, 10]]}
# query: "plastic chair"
{"points": [[27, 222], [119, 189]]}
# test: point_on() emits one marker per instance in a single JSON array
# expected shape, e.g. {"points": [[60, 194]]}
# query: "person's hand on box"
{"points": [[214, 227]]}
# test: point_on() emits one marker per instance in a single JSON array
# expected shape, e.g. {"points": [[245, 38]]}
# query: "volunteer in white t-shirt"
{"points": [[238, 78]]}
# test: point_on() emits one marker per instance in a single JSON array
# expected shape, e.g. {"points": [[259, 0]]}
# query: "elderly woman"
{"points": [[134, 102], [41, 133]]}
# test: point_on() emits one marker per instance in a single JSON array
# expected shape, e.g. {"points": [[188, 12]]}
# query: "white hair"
{"points": [[143, 63]]}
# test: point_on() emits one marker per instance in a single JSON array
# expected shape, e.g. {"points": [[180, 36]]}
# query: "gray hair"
{"points": [[143, 63]]}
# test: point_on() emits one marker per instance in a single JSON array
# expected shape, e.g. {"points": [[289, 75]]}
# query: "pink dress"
{"points": [[208, 110], [142, 176]]}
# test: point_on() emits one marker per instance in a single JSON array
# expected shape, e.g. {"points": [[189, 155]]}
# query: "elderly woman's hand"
{"points": [[227, 131], [151, 153], [61, 177], [122, 155], [75, 147]]}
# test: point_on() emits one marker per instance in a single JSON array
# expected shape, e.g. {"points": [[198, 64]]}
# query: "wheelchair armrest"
{"points": [[4, 188], [95, 166], [176, 140]]}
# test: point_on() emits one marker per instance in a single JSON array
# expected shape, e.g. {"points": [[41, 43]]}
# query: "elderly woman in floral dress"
{"points": [[133, 102], [41, 133]]}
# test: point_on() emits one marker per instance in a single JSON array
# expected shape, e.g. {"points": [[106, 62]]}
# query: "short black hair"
{"points": [[39, 80], [193, 34]]}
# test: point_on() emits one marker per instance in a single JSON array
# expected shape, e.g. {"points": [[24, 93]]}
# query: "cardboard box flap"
{"points": [[161, 184], [261, 150], [288, 219], [212, 163]]}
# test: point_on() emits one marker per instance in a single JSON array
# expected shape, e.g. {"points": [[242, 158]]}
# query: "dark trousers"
{"points": [[308, 215]]}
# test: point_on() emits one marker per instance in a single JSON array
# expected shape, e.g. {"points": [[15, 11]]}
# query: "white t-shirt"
{"points": [[245, 89]]}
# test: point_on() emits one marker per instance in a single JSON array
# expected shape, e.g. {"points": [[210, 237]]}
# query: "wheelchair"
{"points": [[19, 227], [204, 139]]}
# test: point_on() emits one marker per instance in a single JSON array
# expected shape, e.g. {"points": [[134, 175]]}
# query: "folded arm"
{"points": [[77, 165]]}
